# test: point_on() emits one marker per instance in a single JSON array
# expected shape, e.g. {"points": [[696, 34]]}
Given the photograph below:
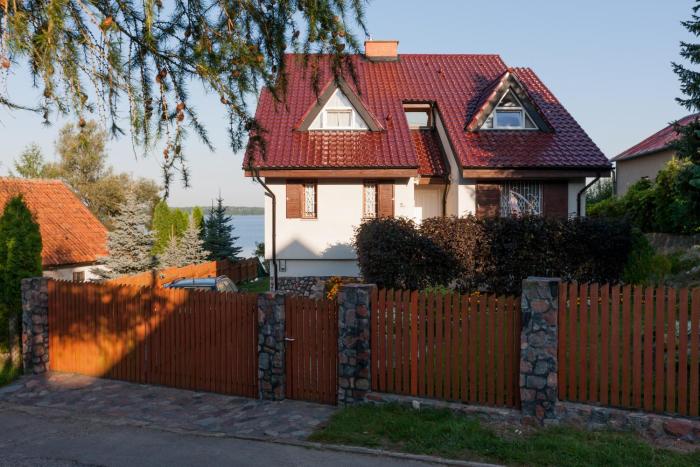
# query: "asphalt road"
{"points": [[33, 440]]}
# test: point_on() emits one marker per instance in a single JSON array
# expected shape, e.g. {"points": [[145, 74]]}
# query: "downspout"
{"points": [[444, 195], [581, 192], [268, 192]]}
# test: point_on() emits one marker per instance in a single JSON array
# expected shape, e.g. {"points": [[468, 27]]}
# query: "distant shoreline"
{"points": [[231, 210]]}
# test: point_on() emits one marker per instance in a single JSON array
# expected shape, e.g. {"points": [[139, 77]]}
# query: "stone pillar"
{"points": [[538, 350], [35, 325], [354, 360], [271, 346]]}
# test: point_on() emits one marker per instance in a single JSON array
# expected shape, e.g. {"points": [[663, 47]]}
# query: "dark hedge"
{"points": [[491, 255]]}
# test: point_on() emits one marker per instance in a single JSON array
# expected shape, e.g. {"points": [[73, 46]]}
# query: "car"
{"points": [[221, 284]]}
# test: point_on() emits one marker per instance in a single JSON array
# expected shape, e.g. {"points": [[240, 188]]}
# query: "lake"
{"points": [[249, 230]]}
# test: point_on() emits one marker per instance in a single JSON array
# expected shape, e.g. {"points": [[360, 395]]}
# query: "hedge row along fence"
{"points": [[630, 347], [492, 254], [237, 271]]}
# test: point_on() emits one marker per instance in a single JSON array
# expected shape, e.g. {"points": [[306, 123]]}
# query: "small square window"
{"points": [[509, 119], [339, 118], [78, 276]]}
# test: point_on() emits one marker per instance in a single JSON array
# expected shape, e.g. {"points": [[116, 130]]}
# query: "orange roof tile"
{"points": [[70, 233]]}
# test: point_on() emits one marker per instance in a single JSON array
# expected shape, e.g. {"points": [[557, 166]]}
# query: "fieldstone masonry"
{"points": [[354, 343], [271, 346], [35, 325], [538, 350]]}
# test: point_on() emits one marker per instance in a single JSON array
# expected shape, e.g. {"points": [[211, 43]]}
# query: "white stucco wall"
{"points": [[575, 186], [66, 273], [631, 170], [303, 242]]}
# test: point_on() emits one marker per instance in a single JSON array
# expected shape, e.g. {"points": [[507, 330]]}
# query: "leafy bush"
{"points": [[493, 254], [669, 204], [393, 254], [602, 190]]}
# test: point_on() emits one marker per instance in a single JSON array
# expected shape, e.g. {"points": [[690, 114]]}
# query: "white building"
{"points": [[415, 136]]}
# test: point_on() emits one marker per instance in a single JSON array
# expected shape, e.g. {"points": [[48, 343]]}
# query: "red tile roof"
{"points": [[656, 142], [426, 143], [455, 83], [70, 233]]}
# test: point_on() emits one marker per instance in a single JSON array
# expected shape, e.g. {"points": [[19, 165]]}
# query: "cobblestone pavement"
{"points": [[166, 408]]}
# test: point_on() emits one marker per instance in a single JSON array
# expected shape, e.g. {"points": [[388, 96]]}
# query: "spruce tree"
{"points": [[20, 257], [192, 245], [198, 215], [130, 243], [218, 234], [172, 256]]}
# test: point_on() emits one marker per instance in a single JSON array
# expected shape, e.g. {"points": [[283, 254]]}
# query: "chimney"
{"points": [[382, 50]]}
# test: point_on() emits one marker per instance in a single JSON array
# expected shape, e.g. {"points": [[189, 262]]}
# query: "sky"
{"points": [[608, 62]]}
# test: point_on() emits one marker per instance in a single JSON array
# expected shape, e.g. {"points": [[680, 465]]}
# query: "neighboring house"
{"points": [[72, 237], [645, 159], [415, 136]]}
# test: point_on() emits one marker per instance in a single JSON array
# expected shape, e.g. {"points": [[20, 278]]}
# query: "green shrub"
{"points": [[602, 190], [392, 254], [493, 254]]}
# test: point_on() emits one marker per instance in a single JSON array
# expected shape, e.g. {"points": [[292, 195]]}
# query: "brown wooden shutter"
{"points": [[295, 189], [488, 200], [555, 199], [385, 198]]}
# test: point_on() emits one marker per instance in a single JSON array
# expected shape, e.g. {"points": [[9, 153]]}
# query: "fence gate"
{"points": [[312, 349]]}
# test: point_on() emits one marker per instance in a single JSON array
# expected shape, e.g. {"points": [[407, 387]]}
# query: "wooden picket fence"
{"points": [[237, 271], [198, 340], [631, 347], [312, 349], [446, 346]]}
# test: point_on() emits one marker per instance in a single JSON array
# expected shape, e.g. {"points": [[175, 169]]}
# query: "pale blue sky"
{"points": [[607, 61]]}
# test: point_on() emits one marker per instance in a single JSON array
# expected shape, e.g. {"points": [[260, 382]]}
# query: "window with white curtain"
{"points": [[370, 200], [309, 200], [521, 199]]}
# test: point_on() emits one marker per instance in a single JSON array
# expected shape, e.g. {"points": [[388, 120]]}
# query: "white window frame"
{"points": [[518, 108], [349, 110]]}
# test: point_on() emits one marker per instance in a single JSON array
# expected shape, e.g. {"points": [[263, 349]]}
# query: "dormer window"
{"points": [[509, 114], [418, 116], [338, 114]]}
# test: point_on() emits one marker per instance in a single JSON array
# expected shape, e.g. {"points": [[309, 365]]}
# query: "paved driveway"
{"points": [[167, 408]]}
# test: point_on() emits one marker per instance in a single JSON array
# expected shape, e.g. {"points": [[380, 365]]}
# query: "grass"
{"points": [[259, 285], [8, 373], [443, 433]]}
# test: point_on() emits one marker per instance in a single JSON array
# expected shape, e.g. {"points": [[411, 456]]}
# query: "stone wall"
{"points": [[538, 349], [271, 346], [354, 348], [307, 286], [35, 325]]}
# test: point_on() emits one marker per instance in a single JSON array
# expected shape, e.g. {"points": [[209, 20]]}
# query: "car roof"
{"points": [[207, 281]]}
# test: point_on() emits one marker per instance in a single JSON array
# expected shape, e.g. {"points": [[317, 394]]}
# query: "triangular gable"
{"points": [[508, 83], [345, 93]]}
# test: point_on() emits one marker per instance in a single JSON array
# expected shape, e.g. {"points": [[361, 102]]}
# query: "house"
{"points": [[414, 136], [72, 237], [645, 159]]}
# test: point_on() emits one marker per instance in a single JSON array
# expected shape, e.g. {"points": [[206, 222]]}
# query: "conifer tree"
{"points": [[167, 222], [198, 215], [130, 243], [98, 54], [20, 257], [192, 245], [172, 255], [218, 234]]}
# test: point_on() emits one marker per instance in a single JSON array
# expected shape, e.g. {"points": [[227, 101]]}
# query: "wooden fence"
{"points": [[188, 339], [312, 349], [632, 347], [452, 347], [237, 271]]}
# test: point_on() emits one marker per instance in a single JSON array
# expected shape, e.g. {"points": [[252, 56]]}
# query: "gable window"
{"points": [[309, 210], [521, 199], [369, 200], [338, 113], [418, 116], [509, 114]]}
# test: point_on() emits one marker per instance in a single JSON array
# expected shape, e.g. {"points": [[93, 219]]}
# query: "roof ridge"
{"points": [[31, 180]]}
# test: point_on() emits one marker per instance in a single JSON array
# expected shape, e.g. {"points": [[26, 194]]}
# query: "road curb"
{"points": [[64, 414]]}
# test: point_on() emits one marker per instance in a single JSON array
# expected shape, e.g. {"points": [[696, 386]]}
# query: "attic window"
{"points": [[419, 116], [338, 114], [509, 114]]}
